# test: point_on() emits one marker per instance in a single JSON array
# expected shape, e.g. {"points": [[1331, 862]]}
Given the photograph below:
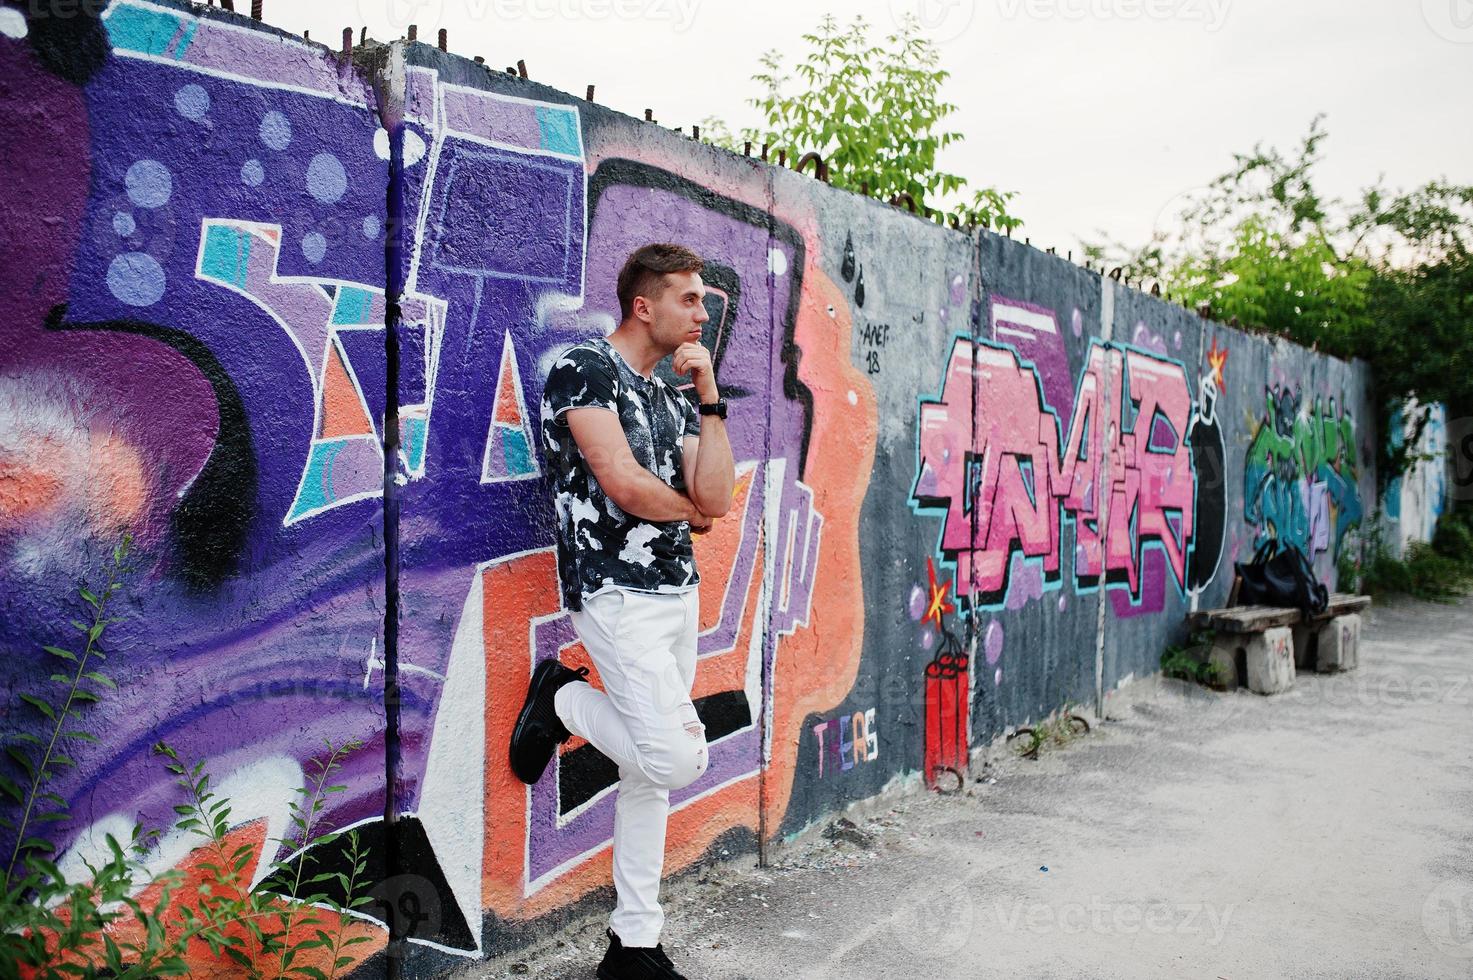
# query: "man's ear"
{"points": [[641, 309]]}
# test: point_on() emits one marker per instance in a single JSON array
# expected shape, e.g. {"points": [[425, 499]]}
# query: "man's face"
{"points": [[677, 313]]}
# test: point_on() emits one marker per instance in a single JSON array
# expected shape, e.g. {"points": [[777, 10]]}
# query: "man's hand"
{"points": [[695, 360], [701, 524], [710, 474]]}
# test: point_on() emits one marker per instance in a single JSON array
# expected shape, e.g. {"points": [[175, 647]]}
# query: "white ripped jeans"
{"points": [[644, 647]]}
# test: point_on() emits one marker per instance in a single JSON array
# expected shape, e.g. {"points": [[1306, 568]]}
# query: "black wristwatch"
{"points": [[716, 408]]}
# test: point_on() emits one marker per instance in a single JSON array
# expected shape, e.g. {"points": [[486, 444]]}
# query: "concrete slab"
{"points": [[1339, 644], [1271, 661]]}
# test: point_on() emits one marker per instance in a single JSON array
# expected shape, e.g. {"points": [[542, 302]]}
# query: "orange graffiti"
{"points": [[196, 885], [1217, 360], [816, 667], [937, 607], [26, 489], [343, 413]]}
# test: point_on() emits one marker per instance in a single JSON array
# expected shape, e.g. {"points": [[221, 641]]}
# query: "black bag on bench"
{"points": [[1280, 575]]}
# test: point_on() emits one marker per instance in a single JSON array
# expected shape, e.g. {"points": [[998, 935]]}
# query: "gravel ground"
{"points": [[1327, 832]]}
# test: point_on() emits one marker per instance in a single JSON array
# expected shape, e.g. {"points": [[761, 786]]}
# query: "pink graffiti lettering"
{"points": [[1005, 481]]}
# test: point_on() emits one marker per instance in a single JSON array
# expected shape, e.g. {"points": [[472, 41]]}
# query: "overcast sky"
{"points": [[1100, 114]]}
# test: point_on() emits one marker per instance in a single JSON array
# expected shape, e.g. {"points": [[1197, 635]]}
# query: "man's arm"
{"points": [[710, 472], [636, 490]]}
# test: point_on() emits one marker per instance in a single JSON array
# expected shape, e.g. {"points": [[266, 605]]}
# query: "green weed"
{"points": [[1189, 663], [50, 926], [1056, 731]]}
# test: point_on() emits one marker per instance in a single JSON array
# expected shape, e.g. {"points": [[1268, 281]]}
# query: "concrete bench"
{"points": [[1263, 645]]}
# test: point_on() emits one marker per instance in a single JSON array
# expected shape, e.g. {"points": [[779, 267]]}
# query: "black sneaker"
{"points": [[636, 962], [539, 731]]}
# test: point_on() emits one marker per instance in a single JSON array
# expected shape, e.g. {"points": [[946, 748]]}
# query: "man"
{"points": [[636, 469]]}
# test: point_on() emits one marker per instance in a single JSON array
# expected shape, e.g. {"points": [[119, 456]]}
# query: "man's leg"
{"points": [[645, 649], [642, 811], [640, 814]]}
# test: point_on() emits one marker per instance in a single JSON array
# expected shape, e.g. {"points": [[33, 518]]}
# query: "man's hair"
{"points": [[645, 269]]}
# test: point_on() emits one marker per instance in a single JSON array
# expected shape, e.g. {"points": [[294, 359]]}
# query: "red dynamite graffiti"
{"points": [[1005, 483], [948, 709], [948, 694]]}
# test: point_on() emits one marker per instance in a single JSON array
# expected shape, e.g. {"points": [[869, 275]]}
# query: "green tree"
{"points": [[874, 112], [1386, 278], [1295, 283]]}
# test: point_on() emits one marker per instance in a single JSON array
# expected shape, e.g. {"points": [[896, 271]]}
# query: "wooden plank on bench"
{"points": [[1244, 619], [1343, 604], [1256, 619]]}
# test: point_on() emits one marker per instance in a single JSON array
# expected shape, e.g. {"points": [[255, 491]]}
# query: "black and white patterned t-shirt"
{"points": [[599, 546]]}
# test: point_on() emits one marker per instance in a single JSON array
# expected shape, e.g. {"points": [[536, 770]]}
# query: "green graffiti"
{"points": [[1300, 480]]}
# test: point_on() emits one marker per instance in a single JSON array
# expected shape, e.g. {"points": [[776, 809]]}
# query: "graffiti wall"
{"points": [[283, 316], [189, 347], [1414, 501], [576, 188]]}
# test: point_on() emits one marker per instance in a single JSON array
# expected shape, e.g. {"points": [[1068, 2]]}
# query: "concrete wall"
{"points": [[1414, 501], [968, 472], [191, 350]]}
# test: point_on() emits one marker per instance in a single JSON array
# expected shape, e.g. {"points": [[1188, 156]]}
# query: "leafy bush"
{"points": [[42, 759], [265, 934], [1454, 537], [1386, 277], [875, 113], [1190, 664], [1424, 574], [48, 924], [1178, 663], [123, 922]]}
